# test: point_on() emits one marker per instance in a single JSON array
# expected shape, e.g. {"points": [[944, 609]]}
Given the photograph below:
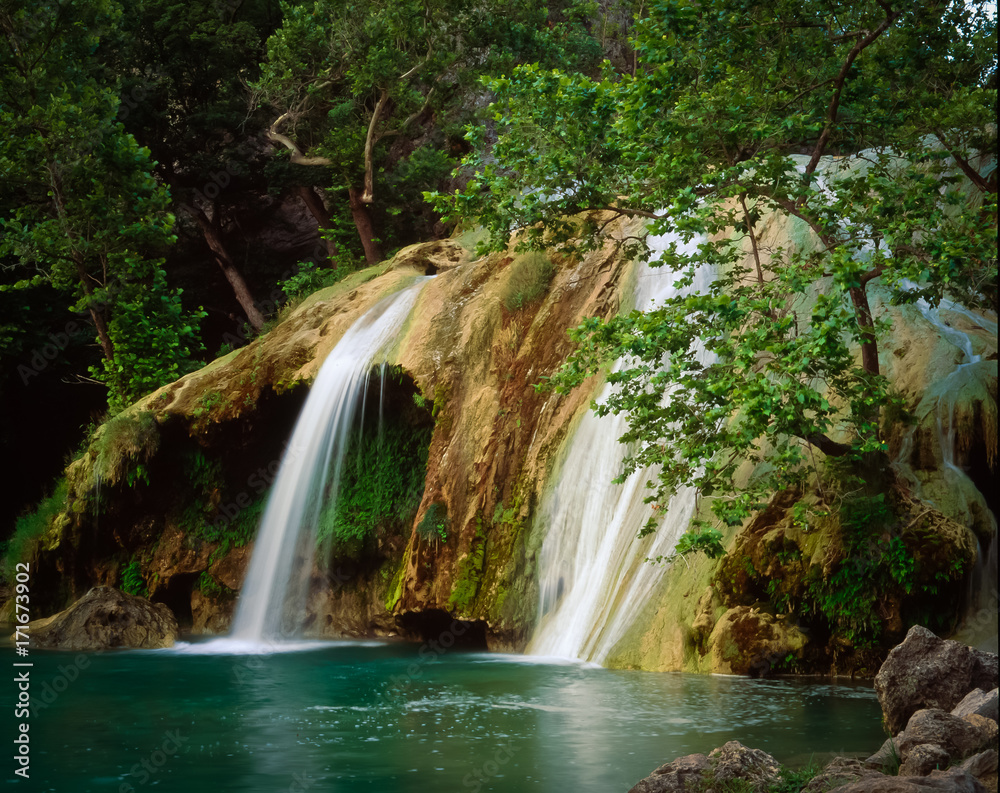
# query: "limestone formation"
{"points": [[105, 618], [746, 640]]}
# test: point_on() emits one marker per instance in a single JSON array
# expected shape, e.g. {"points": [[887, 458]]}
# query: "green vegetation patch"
{"points": [[29, 528], [529, 278], [381, 482], [470, 574], [124, 444]]}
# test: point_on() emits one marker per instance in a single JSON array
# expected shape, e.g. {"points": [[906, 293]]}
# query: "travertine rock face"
{"points": [[106, 618]]}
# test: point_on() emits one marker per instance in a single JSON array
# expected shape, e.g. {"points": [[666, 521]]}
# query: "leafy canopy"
{"points": [[864, 133], [83, 212]]}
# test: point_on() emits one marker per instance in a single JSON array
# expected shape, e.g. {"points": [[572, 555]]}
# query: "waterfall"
{"points": [[593, 574], [272, 601], [979, 626]]}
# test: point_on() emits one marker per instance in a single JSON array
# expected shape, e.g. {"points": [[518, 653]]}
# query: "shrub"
{"points": [[527, 280]]}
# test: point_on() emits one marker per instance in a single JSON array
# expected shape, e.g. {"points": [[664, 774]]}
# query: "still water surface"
{"points": [[384, 718]]}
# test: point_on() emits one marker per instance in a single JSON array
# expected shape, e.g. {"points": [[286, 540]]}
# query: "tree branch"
{"points": [[369, 194], [838, 86], [297, 157], [829, 447]]}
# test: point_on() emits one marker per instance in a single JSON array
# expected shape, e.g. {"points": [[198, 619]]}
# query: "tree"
{"points": [[183, 70], [732, 115], [85, 214], [347, 79]]}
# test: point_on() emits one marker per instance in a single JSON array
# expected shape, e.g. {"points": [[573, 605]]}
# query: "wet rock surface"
{"points": [[106, 618]]}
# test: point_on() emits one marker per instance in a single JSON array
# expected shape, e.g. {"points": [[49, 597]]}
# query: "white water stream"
{"points": [[272, 601], [979, 628], [593, 574]]}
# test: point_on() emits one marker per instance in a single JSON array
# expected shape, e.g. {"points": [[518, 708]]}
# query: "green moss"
{"points": [[395, 591], [30, 527], [470, 574]]}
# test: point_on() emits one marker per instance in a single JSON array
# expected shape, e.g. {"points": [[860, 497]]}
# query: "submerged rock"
{"points": [[927, 672], [105, 618]]}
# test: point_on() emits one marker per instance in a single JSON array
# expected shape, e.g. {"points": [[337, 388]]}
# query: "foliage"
{"points": [[209, 586], [29, 528], [123, 443], [873, 565], [529, 277], [131, 581], [81, 209], [349, 80], [381, 482], [767, 352], [434, 524], [707, 541]]}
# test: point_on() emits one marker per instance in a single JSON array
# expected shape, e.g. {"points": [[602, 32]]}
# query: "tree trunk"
{"points": [[318, 210], [107, 347], [869, 345], [229, 269], [366, 229]]}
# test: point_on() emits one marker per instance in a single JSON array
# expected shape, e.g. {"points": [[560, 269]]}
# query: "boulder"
{"points": [[924, 758], [954, 780], [958, 737], [887, 756], [927, 672], [104, 618], [839, 772], [978, 702], [683, 774], [981, 764], [734, 761]]}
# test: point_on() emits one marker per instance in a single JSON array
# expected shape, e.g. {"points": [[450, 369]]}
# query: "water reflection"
{"points": [[350, 717]]}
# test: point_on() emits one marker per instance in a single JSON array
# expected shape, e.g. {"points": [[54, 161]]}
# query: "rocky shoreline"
{"points": [[939, 704]]}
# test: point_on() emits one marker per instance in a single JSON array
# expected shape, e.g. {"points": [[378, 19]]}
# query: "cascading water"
{"points": [[979, 627], [273, 597], [593, 573]]}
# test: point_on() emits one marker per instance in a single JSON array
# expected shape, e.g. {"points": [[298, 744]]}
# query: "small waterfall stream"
{"points": [[979, 627], [593, 574], [273, 597]]}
